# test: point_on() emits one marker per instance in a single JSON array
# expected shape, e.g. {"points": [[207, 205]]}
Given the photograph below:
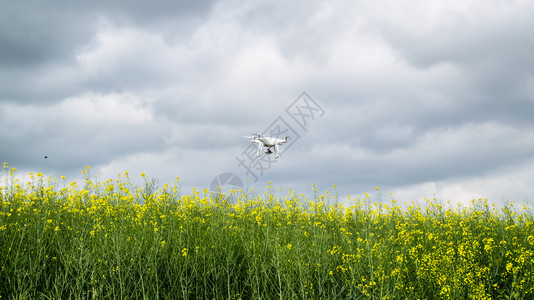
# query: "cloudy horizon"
{"points": [[422, 99]]}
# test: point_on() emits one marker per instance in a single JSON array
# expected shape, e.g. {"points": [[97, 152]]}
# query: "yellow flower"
{"points": [[509, 266]]}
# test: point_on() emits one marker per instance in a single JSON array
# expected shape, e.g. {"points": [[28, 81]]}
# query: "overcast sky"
{"points": [[420, 98]]}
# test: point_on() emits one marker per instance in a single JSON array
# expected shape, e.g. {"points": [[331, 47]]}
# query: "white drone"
{"points": [[269, 142]]}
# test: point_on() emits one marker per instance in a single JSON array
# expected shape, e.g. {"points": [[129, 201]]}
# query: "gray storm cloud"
{"points": [[420, 98]]}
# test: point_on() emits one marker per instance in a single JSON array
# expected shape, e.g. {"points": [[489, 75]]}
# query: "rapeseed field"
{"points": [[112, 239]]}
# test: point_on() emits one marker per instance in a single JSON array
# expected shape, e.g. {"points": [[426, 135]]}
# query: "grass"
{"points": [[115, 240]]}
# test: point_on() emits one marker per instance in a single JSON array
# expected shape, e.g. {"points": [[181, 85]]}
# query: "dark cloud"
{"points": [[35, 32], [490, 48], [41, 40], [36, 35]]}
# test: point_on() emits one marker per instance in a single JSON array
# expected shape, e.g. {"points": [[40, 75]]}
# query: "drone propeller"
{"points": [[254, 136]]}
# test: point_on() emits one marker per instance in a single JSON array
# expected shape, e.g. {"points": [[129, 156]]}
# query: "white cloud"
{"points": [[505, 185], [105, 111]]}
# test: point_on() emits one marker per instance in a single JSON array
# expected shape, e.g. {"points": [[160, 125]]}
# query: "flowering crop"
{"points": [[115, 240]]}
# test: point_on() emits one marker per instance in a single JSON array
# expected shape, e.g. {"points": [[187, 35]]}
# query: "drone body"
{"points": [[269, 142]]}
